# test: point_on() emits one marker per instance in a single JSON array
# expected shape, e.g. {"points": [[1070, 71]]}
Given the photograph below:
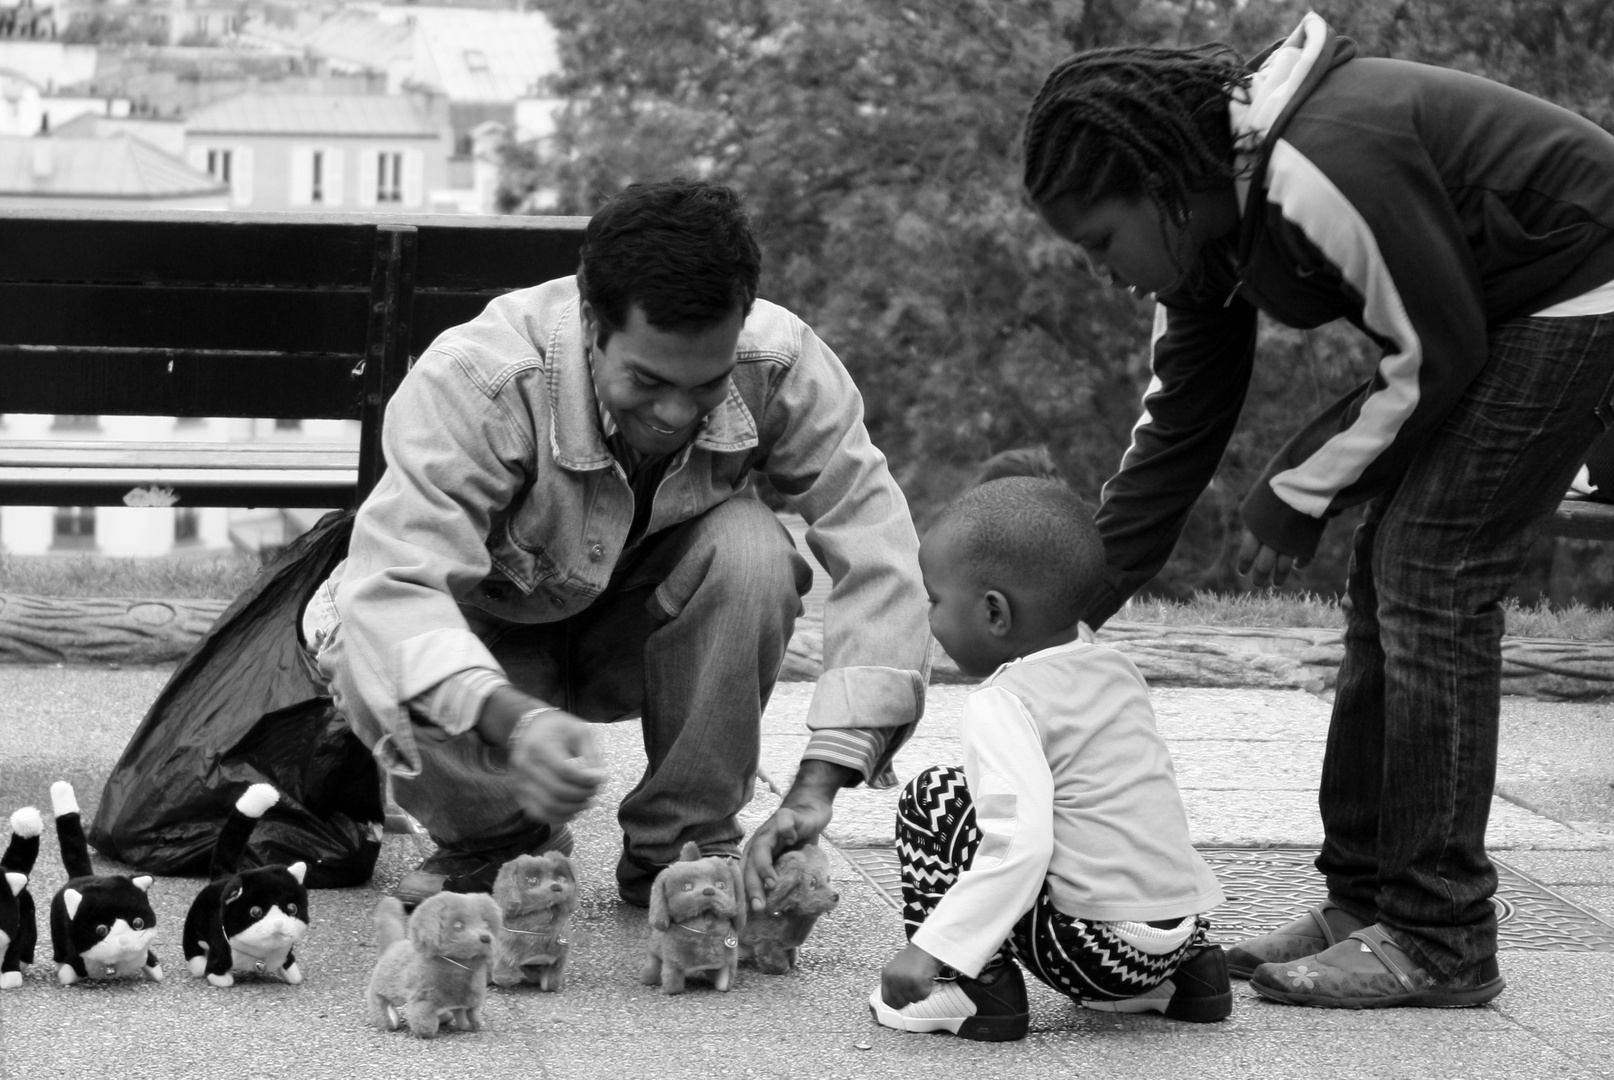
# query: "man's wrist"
{"points": [[818, 781], [525, 721]]}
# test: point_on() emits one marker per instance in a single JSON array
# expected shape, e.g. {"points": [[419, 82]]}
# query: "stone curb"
{"points": [[45, 630]]}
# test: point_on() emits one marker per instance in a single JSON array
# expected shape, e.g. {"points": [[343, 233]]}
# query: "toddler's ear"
{"points": [[999, 615]]}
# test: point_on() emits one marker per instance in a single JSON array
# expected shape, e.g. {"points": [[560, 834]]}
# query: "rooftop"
{"points": [[119, 167], [258, 113]]}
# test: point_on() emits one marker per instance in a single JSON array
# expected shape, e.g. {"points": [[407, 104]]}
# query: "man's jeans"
{"points": [[690, 634], [1411, 759]]}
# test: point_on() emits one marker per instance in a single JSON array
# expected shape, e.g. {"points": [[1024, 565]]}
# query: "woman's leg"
{"points": [[1452, 540]]}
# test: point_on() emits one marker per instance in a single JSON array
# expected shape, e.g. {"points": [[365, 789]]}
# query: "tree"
{"points": [[877, 142]]}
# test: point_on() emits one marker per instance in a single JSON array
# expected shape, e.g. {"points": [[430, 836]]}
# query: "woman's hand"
{"points": [[1264, 565]]}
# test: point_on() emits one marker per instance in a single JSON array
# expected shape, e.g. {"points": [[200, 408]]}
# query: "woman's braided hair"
{"points": [[1133, 120]]}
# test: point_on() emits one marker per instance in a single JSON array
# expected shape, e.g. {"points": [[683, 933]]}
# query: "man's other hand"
{"points": [[800, 820], [555, 765]]}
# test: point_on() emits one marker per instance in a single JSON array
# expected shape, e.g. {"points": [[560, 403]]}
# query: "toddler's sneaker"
{"points": [[1198, 991], [990, 1008]]}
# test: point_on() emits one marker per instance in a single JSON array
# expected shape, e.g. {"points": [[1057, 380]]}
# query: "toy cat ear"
{"points": [[71, 899], [234, 895], [143, 882], [297, 870], [18, 882]]}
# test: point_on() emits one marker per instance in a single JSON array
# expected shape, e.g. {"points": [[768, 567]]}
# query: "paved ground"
{"points": [[1247, 760]]}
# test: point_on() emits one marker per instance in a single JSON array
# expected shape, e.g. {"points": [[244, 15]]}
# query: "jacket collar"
{"points": [[1285, 76], [576, 438]]}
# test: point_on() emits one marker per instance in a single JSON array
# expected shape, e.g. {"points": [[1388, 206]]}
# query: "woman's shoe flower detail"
{"points": [[1303, 977]]}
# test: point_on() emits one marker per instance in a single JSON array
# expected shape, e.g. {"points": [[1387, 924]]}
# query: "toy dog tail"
{"points": [[70, 831], [26, 825], [232, 841], [391, 924]]}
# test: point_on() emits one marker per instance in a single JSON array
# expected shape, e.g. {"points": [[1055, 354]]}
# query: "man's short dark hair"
{"points": [[1034, 537], [680, 249]]}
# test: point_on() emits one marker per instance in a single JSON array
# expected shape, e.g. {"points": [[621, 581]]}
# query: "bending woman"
{"points": [[1466, 228]]}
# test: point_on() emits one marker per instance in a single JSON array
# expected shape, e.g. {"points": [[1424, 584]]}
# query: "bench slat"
{"points": [[178, 382], [197, 455], [135, 316], [1582, 519], [293, 249], [249, 488]]}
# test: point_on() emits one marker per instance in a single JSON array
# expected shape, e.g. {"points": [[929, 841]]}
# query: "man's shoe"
{"points": [[1319, 928], [1369, 970], [451, 869], [990, 1008], [1197, 992]]}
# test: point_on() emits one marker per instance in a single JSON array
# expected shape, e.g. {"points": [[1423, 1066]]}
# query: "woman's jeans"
{"points": [[689, 636], [1411, 758]]}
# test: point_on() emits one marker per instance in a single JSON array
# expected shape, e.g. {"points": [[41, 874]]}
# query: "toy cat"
{"points": [[247, 921], [19, 932], [101, 925], [537, 894]]}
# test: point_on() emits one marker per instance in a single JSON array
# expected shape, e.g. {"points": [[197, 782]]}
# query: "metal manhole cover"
{"points": [[1266, 887]]}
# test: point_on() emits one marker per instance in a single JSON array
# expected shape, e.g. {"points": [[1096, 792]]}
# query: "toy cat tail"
{"points": [[19, 931], [232, 841], [101, 925], [247, 921]]}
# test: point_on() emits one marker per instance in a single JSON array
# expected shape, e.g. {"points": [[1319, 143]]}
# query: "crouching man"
{"points": [[565, 535]]}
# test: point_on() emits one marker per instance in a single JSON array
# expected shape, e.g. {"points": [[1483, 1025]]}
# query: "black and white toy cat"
{"points": [[247, 921], [101, 925], [19, 932]]}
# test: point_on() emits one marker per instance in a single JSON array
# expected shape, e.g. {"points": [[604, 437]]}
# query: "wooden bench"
{"points": [[208, 314]]}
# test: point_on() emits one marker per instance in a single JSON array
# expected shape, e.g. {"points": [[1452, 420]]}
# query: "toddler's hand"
{"points": [[908, 977]]}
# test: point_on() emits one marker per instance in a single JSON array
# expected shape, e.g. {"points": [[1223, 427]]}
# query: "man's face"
{"points": [[659, 384], [958, 607]]}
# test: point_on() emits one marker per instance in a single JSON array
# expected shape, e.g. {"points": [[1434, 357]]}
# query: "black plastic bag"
{"points": [[243, 708]]}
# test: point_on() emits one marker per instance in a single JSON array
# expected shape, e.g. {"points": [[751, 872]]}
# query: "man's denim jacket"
{"points": [[500, 496]]}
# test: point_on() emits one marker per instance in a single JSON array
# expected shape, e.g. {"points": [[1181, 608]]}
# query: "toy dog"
{"points": [[19, 932], [101, 925], [434, 967], [800, 894], [247, 921], [537, 895], [697, 911]]}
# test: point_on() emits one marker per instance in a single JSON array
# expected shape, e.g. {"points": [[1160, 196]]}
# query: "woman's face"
{"points": [[1126, 241]]}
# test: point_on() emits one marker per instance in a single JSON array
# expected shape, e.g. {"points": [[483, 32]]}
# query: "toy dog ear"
{"points": [[297, 870], [490, 911], [690, 853], [18, 882], [658, 902], [426, 926], [71, 899], [143, 882], [791, 877]]}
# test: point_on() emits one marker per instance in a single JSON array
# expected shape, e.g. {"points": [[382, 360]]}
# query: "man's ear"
{"points": [[591, 325], [999, 615]]}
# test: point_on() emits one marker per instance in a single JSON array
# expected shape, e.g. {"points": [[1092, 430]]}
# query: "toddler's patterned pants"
{"points": [[936, 839]]}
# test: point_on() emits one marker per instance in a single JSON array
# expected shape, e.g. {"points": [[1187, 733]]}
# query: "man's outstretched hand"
{"points": [[555, 766], [800, 819]]}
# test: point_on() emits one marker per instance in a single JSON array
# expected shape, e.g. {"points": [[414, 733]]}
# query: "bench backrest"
{"points": [[278, 315]]}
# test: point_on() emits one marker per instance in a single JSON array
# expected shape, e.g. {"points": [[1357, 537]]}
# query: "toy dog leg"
{"points": [[553, 977], [672, 979], [506, 972], [650, 974], [723, 977], [423, 1018]]}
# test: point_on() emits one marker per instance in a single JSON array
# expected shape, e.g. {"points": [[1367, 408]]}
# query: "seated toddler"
{"points": [[1062, 842]]}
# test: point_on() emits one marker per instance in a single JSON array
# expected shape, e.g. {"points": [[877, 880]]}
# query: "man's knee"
{"points": [[740, 548]]}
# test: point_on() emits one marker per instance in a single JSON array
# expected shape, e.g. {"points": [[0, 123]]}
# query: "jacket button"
{"points": [[557, 601], [597, 552]]}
